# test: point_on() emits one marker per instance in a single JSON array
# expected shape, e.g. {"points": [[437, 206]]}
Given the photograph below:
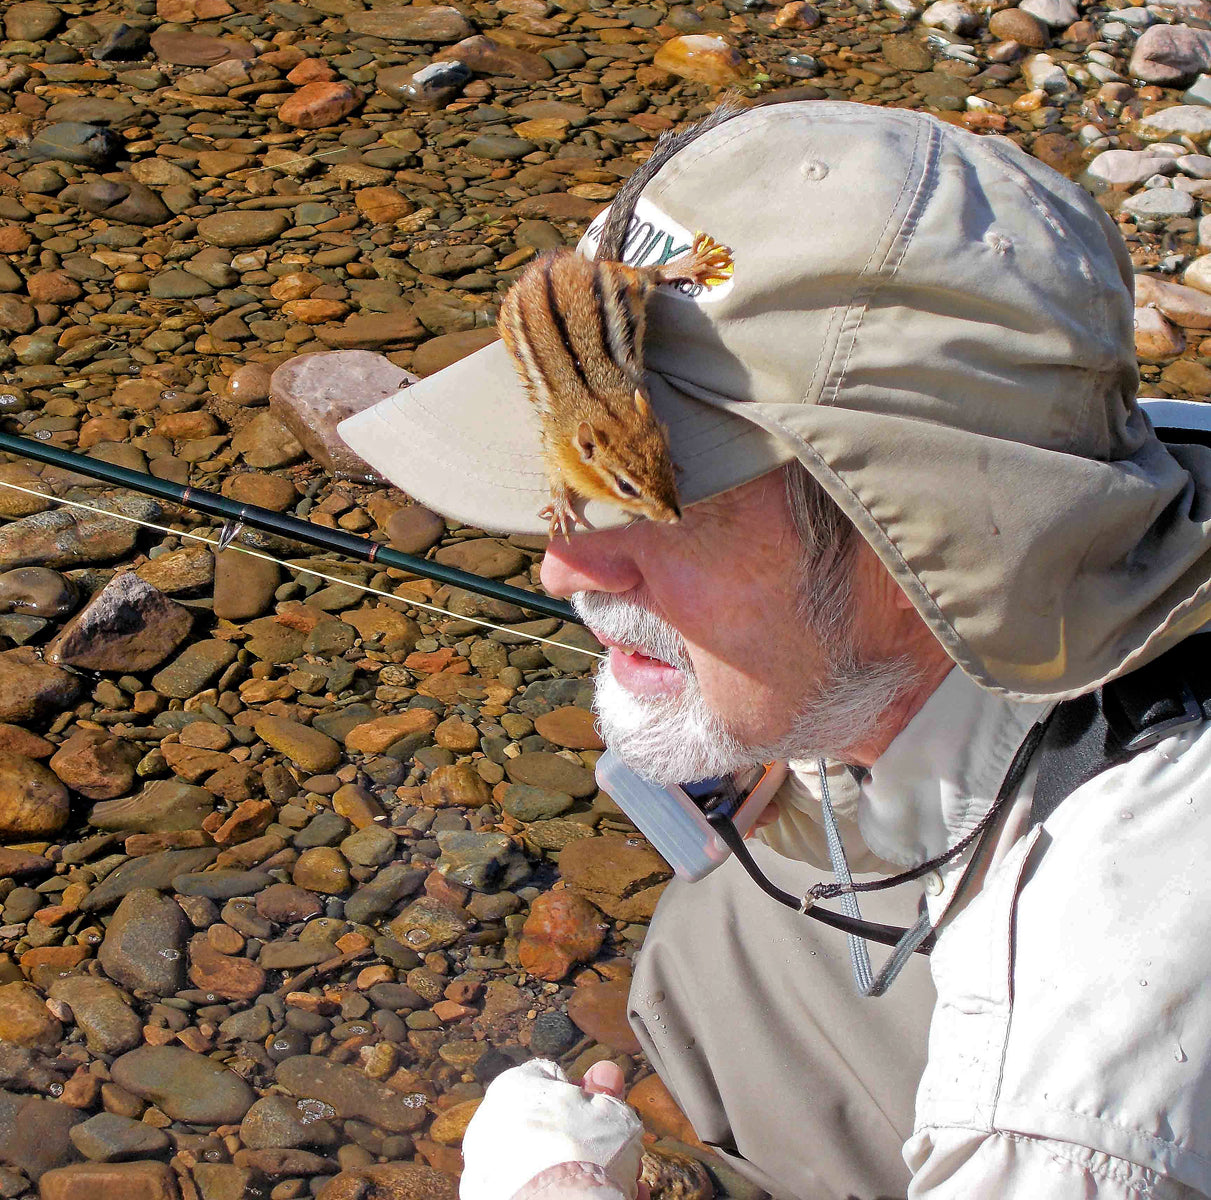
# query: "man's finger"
{"points": [[606, 1077]]}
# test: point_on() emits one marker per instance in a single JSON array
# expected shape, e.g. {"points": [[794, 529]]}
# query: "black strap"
{"points": [[889, 935], [1092, 733]]}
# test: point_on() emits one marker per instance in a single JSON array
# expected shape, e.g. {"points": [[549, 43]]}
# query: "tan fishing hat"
{"points": [[940, 328]]}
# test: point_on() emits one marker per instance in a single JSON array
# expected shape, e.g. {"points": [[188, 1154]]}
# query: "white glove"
{"points": [[532, 1118]]}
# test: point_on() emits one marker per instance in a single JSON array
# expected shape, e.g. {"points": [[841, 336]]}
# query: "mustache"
{"points": [[619, 619]]}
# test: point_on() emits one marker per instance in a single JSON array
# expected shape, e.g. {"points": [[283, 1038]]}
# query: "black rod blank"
{"points": [[268, 521]]}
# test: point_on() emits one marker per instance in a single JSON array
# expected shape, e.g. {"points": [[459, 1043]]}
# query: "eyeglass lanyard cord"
{"points": [[918, 938]]}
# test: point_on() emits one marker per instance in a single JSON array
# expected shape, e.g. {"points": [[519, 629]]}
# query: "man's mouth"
{"points": [[639, 672]]}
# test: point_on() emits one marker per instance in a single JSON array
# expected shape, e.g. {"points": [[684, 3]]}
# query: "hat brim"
{"points": [[466, 442]]}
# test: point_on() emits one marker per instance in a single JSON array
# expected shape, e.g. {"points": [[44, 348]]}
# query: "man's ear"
{"points": [[901, 600]]}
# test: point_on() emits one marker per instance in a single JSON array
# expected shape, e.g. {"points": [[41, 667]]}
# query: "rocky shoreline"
{"points": [[290, 869]]}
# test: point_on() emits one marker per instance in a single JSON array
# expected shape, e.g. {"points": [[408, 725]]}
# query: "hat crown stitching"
{"points": [[874, 275]]}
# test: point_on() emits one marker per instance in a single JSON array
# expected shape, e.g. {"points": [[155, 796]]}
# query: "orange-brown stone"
{"points": [[563, 929], [600, 1010], [383, 205], [315, 105], [227, 977], [703, 58], [376, 736], [571, 727], [659, 1112], [458, 785]]}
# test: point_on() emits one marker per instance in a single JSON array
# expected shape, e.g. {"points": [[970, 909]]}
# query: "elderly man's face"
{"points": [[731, 671]]}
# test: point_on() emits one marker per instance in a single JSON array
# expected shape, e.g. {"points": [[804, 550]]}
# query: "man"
{"points": [[920, 508]]}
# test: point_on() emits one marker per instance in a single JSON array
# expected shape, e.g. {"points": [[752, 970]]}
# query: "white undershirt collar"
{"points": [[941, 774]]}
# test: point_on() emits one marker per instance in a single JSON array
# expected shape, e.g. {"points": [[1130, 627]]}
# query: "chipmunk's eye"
{"points": [[625, 486]]}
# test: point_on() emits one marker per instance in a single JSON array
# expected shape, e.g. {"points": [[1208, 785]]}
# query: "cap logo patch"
{"points": [[653, 238]]}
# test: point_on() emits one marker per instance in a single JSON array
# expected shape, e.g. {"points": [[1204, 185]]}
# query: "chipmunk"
{"points": [[575, 328]]}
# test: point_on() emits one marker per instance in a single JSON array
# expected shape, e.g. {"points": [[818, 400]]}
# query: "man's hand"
{"points": [[607, 1079], [538, 1136]]}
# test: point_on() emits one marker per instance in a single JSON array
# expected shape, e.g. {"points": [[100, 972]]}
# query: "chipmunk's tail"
{"points": [[622, 207]]}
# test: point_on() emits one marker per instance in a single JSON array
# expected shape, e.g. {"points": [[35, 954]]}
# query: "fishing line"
{"points": [[230, 530], [323, 537]]}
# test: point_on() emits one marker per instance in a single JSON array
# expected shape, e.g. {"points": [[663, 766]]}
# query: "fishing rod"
{"points": [[268, 521]]}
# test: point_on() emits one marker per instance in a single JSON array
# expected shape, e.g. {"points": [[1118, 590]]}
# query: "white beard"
{"points": [[679, 739]]}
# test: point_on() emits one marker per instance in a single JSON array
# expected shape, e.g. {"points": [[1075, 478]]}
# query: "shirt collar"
{"points": [[941, 773]]}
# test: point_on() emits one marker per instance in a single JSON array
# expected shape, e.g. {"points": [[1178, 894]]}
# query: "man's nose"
{"points": [[589, 562]]}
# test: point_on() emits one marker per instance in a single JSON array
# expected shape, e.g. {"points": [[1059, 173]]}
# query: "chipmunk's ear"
{"points": [[586, 440], [642, 404]]}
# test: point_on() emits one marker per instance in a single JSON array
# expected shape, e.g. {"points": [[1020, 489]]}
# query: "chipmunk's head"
{"points": [[630, 464]]}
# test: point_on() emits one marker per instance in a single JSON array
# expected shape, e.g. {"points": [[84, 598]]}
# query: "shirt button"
{"points": [[934, 884]]}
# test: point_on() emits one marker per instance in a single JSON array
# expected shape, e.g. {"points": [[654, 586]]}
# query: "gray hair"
{"points": [[829, 541]]}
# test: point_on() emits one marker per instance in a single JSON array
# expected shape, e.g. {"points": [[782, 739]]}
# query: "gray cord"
{"points": [[867, 983], [858, 954]]}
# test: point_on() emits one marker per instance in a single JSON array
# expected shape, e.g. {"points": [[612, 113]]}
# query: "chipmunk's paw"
{"points": [[713, 262], [559, 513]]}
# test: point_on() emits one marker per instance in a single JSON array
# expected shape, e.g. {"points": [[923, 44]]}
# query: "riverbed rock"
{"points": [[1187, 306], [156, 871], [703, 58], [129, 626], [68, 537], [621, 878], [31, 21], [552, 771], [101, 1013], [266, 443], [484, 56], [24, 1018], [118, 200], [1155, 339], [600, 1010], [318, 104], [484, 861], [1182, 120], [33, 801], [390, 1181], [1171, 55], [224, 976], [242, 228], [312, 750], [187, 1086], [163, 806], [35, 1134], [38, 591], [313, 393], [95, 764], [75, 142], [563, 929], [185, 48], [108, 1137], [243, 585], [352, 1094], [193, 669], [436, 23], [30, 689], [93, 1181], [144, 945]]}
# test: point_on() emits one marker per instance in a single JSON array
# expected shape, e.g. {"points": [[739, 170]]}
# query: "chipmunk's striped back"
{"points": [[575, 328]]}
